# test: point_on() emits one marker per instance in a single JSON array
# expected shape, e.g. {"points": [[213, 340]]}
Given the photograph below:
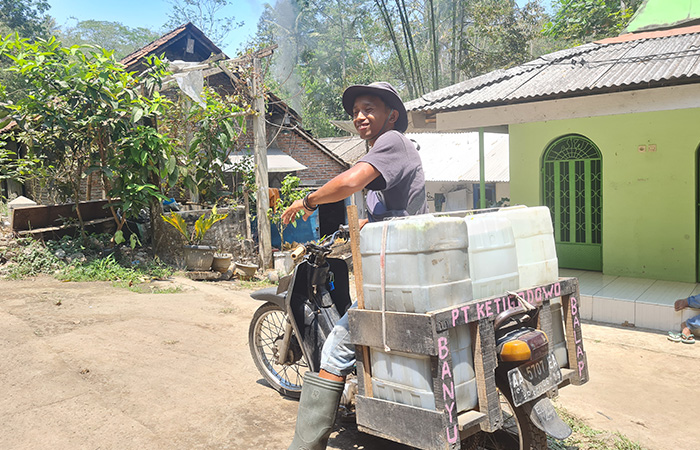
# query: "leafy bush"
{"points": [[30, 258]]}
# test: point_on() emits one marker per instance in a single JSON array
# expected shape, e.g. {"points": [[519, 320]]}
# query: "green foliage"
{"points": [[25, 17], [30, 258], [418, 46], [289, 193], [201, 226], [110, 35], [203, 139], [499, 36], [81, 113], [218, 127], [109, 269], [14, 167], [588, 20]]}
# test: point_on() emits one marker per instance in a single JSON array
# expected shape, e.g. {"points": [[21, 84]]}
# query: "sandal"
{"points": [[687, 338], [674, 337]]}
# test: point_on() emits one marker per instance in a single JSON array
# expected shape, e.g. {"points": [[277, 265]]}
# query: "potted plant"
{"points": [[197, 257]]}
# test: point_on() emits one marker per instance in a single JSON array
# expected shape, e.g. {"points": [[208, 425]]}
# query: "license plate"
{"points": [[531, 380]]}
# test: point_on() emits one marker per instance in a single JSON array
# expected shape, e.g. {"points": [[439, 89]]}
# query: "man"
{"points": [[393, 173]]}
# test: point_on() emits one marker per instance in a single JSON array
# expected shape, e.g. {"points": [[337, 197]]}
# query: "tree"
{"points": [[25, 17], [498, 36], [81, 113], [205, 14], [588, 20], [110, 35], [417, 45]]}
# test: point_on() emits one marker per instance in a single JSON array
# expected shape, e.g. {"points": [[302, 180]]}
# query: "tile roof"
{"points": [[133, 58], [599, 67]]}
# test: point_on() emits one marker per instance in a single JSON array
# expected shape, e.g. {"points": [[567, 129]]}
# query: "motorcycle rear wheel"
{"points": [[265, 332], [517, 433]]}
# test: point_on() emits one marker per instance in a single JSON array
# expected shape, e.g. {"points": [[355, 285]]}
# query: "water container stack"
{"points": [[537, 262], [434, 262]]}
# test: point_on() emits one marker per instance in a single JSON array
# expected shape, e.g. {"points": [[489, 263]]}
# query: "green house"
{"points": [[606, 135]]}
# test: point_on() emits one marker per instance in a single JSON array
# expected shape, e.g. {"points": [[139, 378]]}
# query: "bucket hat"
{"points": [[383, 90]]}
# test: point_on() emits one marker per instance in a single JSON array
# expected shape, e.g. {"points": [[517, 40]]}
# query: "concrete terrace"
{"points": [[640, 302]]}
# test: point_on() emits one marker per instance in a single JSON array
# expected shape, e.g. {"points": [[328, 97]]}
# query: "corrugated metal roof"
{"points": [[587, 69], [445, 156]]}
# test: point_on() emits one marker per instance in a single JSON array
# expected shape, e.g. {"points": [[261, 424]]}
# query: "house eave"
{"points": [[593, 104]]}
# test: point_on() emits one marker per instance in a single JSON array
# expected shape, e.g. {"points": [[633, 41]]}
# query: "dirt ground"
{"points": [[91, 366]]}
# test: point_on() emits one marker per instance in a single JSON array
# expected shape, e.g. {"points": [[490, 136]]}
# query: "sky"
{"points": [[153, 14]]}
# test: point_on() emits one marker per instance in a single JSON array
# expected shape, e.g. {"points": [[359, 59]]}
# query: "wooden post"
{"points": [[260, 150], [362, 351], [485, 362], [571, 304]]}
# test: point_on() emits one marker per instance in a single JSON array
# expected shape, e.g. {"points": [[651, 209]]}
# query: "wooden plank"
{"points": [[363, 374], [574, 338], [64, 229], [406, 332], [485, 362], [47, 216], [408, 425], [354, 225], [468, 420], [489, 308]]}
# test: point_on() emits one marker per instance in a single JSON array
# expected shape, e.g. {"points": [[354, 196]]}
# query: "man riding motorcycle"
{"points": [[393, 174]]}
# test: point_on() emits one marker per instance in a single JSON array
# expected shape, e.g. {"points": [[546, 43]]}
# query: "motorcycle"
{"points": [[305, 304], [287, 333]]}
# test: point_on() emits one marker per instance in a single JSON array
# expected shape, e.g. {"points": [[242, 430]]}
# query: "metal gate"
{"points": [[572, 189]]}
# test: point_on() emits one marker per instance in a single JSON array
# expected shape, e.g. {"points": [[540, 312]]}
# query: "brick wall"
{"points": [[321, 166]]}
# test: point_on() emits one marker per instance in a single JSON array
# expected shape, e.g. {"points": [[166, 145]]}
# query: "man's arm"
{"points": [[339, 188]]}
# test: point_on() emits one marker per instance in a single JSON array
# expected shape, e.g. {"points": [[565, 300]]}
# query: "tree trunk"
{"points": [[386, 17], [433, 40]]}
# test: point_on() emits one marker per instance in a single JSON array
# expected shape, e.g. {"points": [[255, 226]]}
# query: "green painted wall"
{"points": [[649, 198]]}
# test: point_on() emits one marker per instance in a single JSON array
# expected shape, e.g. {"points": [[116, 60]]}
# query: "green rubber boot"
{"points": [[317, 409]]}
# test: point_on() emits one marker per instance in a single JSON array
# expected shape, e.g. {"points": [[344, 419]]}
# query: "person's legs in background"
{"points": [[692, 325]]}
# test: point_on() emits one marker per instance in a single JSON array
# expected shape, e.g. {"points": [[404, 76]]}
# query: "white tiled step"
{"points": [[641, 302]]}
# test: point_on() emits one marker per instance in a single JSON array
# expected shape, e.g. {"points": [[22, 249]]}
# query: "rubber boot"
{"points": [[317, 409]]}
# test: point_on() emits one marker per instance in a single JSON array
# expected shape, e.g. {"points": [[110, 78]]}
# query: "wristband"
{"points": [[308, 207]]}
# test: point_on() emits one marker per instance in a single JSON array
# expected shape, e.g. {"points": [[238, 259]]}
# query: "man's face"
{"points": [[370, 114]]}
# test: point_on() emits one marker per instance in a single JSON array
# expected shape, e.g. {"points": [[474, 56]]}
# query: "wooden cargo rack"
{"points": [[427, 334]]}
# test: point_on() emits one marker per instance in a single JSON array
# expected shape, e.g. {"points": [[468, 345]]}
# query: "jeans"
{"points": [[694, 322], [338, 354]]}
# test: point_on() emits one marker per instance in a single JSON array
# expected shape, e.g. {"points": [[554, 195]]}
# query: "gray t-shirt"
{"points": [[400, 189]]}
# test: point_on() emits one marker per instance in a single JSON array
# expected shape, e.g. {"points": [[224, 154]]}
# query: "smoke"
{"points": [[285, 27]]}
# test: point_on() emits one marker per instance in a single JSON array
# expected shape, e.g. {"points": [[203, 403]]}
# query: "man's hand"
{"points": [[290, 213]]}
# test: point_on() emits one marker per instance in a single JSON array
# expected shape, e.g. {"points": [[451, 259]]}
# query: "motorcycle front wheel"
{"points": [[264, 336], [517, 433]]}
